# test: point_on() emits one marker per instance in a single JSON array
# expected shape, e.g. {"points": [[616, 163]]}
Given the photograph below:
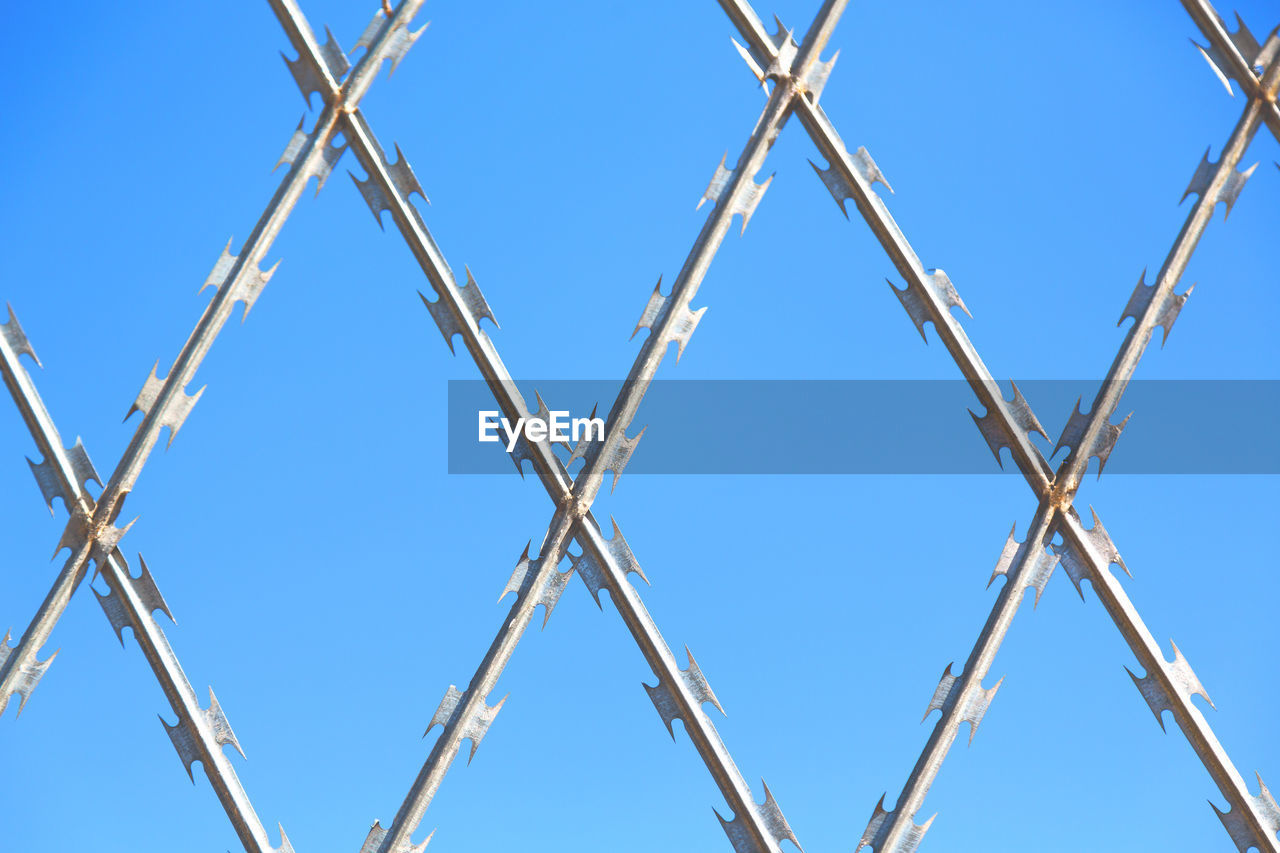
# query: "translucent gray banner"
{"points": [[880, 426]]}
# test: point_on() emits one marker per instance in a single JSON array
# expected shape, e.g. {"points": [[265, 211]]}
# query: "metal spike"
{"points": [[373, 842], [1244, 42], [330, 154], [579, 450], [655, 312], [51, 484], [285, 846], [16, 338], [815, 78], [834, 180], [877, 827], [1076, 565], [523, 449], [472, 729], [248, 288], [749, 58], [75, 533], [620, 455], [144, 587], [397, 45], [975, 705], [781, 40], [992, 426], [105, 542], [1014, 552], [180, 404], [1237, 825], [593, 575], [333, 56], [294, 148], [1180, 674], [402, 176], [373, 196], [913, 302], [653, 309], [221, 269], [526, 573], [307, 77], [29, 674], [695, 682], [868, 169], [682, 328], [787, 49], [185, 741], [1218, 63], [472, 301], [747, 200], [770, 814], [1104, 442], [944, 291], [245, 289], [1165, 316], [371, 31], [1227, 193], [545, 413]]}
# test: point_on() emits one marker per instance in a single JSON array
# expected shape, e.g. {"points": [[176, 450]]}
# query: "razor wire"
{"points": [[796, 76], [930, 296], [603, 564], [91, 533]]}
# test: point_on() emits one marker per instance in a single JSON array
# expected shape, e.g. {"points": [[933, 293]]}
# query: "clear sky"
{"points": [[331, 580]]}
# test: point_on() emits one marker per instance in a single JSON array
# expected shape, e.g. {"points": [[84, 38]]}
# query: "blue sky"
{"points": [[331, 580]]}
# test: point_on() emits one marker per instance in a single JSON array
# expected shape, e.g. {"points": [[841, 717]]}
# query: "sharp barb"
{"points": [[1077, 565], [875, 835], [654, 309], [525, 576], [27, 674], [973, 704], [17, 339], [188, 743], [472, 725], [1229, 188], [1100, 446], [746, 200], [144, 589], [815, 78], [1239, 827], [619, 551], [374, 840], [1165, 313], [1180, 677], [177, 408], [992, 425], [472, 301], [767, 813], [1036, 574], [49, 476], [398, 43]]}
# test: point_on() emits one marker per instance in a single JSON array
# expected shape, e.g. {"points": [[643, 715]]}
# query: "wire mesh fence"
{"points": [[792, 70]]}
